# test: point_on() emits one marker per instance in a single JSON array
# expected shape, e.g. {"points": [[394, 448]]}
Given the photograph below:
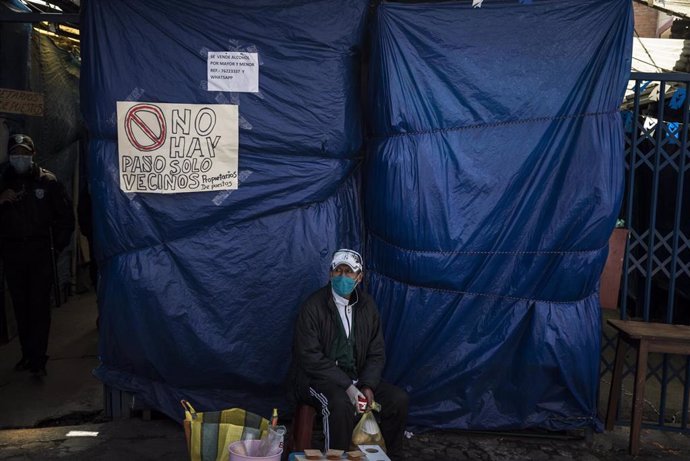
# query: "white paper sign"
{"points": [[233, 71], [170, 148]]}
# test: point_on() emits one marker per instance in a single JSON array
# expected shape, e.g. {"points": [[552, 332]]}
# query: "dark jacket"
{"points": [[43, 204], [315, 331]]}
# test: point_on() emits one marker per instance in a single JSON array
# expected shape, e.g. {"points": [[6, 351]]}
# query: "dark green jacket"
{"points": [[315, 331]]}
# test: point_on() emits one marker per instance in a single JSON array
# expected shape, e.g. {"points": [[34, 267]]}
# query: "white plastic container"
{"points": [[237, 450], [374, 453]]}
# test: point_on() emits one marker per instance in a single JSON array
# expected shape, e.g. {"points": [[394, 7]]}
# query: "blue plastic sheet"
{"points": [[493, 182], [199, 292]]}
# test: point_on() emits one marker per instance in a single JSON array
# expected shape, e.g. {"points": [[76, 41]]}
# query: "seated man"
{"points": [[338, 357]]}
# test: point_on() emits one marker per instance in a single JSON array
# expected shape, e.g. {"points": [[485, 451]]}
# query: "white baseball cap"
{"points": [[349, 257]]}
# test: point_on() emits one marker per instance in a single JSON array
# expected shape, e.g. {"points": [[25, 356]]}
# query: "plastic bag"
{"points": [[272, 443], [367, 430]]}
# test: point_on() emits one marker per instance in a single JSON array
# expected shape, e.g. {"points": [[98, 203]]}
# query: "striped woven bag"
{"points": [[210, 433]]}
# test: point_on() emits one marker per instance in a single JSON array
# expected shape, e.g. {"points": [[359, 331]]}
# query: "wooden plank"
{"points": [[651, 331], [671, 346], [21, 102]]}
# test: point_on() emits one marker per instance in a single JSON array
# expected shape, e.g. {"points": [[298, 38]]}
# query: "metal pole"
{"points": [[631, 188], [53, 264], [679, 207], [686, 393], [655, 198], [14, 16], [77, 232]]}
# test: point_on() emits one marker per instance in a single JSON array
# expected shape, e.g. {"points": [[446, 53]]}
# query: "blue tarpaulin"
{"points": [[199, 291], [493, 182]]}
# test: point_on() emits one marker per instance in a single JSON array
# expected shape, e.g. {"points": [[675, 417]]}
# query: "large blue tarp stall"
{"points": [[494, 177], [198, 292]]}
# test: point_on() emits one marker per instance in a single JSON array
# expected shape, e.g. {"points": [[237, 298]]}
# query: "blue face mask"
{"points": [[343, 285], [21, 163]]}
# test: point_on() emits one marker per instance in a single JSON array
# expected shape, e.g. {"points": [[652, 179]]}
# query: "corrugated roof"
{"points": [[656, 54], [653, 55]]}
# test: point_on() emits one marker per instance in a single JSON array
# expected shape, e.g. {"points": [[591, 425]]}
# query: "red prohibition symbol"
{"points": [[155, 134]]}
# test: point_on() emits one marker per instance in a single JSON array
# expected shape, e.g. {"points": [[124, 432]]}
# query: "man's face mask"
{"points": [[21, 163], [343, 285]]}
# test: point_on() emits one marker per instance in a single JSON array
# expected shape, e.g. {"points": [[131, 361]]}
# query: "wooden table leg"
{"points": [[638, 397], [616, 381]]}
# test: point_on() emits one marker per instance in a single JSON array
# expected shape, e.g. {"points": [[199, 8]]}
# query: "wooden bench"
{"points": [[644, 338]]}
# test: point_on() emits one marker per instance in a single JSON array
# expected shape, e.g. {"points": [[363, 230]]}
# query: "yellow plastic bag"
{"points": [[367, 430], [210, 433]]}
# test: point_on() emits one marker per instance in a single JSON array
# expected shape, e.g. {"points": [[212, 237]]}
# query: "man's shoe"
{"points": [[39, 371], [37, 366], [23, 365]]}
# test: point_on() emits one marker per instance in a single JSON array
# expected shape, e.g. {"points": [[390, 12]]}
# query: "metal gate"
{"points": [[656, 211]]}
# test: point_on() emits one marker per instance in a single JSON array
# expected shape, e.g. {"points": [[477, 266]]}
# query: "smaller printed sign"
{"points": [[233, 71]]}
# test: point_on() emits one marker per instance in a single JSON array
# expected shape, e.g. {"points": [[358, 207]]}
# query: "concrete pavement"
{"points": [[69, 387], [123, 440]]}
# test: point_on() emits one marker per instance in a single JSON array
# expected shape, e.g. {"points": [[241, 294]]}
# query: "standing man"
{"points": [[339, 354], [34, 208]]}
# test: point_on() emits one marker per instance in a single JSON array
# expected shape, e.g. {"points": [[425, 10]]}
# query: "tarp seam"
{"points": [[487, 295], [497, 124], [536, 252], [247, 151], [572, 418], [162, 243]]}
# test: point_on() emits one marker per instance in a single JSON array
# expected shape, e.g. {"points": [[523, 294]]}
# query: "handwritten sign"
{"points": [[21, 102], [170, 148], [233, 71]]}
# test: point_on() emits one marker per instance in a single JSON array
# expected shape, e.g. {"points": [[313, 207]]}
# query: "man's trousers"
{"points": [[339, 418], [28, 271]]}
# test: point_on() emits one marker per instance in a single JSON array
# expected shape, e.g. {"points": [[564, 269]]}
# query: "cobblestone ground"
{"points": [[471, 446], [448, 445], [163, 439], [540, 446]]}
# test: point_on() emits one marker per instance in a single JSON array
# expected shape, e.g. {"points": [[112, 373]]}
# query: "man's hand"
{"points": [[8, 195], [369, 394], [354, 394]]}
